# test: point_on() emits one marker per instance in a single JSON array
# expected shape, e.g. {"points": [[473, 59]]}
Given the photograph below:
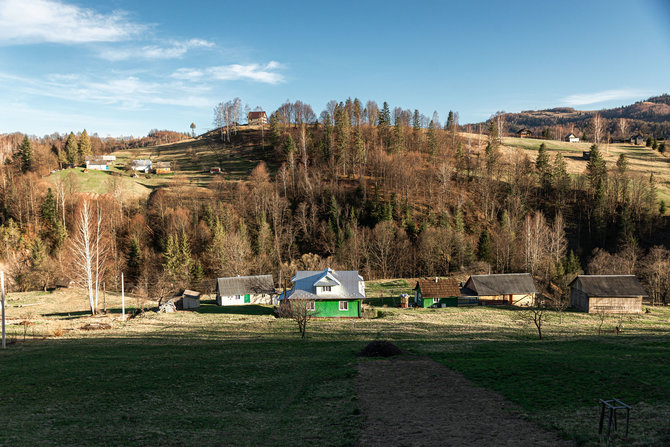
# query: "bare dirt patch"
{"points": [[410, 401]]}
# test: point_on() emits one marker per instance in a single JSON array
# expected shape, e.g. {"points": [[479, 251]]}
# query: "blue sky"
{"points": [[124, 67]]}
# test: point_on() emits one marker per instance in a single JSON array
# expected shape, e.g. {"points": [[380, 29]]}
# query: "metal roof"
{"points": [[304, 282], [502, 284], [245, 285], [620, 286]]}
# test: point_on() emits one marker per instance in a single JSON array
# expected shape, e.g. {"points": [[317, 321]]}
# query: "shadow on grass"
{"points": [[210, 307]]}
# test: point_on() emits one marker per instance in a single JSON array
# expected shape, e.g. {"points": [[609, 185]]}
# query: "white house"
{"points": [[572, 138], [239, 290], [97, 164], [141, 165]]}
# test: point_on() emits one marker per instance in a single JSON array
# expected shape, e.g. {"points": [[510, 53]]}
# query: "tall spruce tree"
{"points": [[26, 155], [543, 167], [71, 149], [84, 145]]}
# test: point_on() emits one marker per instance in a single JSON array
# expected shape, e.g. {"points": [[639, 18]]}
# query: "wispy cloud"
{"points": [[603, 96], [121, 91], [36, 21], [173, 50], [266, 73]]}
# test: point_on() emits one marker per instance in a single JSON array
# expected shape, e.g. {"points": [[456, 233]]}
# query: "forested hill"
{"points": [[650, 117]]}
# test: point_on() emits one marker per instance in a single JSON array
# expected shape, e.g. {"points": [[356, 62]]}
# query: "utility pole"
{"points": [[2, 286], [123, 300]]}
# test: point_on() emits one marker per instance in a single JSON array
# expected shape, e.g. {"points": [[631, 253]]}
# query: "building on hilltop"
{"points": [[257, 118], [524, 133]]}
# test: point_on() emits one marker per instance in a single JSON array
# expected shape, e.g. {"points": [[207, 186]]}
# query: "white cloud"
{"points": [[254, 72], [604, 96], [125, 92], [35, 21], [174, 50]]}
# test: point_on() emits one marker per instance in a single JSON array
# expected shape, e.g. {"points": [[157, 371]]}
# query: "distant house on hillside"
{"points": [[238, 290], [106, 158], [517, 289], [141, 166], [162, 167], [215, 170], [571, 138], [607, 293], [257, 118], [637, 139], [524, 133], [97, 164], [328, 293], [436, 292]]}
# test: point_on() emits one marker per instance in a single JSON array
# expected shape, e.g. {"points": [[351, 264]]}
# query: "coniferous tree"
{"points": [[484, 249], [134, 260], [72, 149], [26, 155], [596, 168], [84, 145], [543, 167]]}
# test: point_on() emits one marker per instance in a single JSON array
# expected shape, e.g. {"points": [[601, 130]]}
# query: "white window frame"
{"points": [[326, 289], [345, 307], [310, 306], [238, 297]]}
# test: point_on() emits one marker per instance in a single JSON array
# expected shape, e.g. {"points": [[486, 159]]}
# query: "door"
{"points": [[247, 299]]}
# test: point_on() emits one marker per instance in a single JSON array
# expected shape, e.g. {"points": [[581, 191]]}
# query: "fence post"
{"points": [[123, 300], [2, 286]]}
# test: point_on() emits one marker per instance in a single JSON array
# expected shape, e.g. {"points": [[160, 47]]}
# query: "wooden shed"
{"points": [[517, 289], [524, 133], [436, 292], [163, 167], [607, 293]]}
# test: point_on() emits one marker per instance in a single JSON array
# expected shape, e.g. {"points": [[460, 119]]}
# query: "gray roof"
{"points": [[245, 285], [610, 285], [141, 162], [502, 284], [305, 280]]}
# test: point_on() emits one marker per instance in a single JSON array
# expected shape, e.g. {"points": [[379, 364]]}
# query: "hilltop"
{"points": [[650, 117]]}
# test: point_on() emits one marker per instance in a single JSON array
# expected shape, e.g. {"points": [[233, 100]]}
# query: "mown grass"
{"points": [[239, 376]]}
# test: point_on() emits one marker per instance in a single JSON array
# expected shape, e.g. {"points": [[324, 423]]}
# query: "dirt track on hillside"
{"points": [[409, 401]]}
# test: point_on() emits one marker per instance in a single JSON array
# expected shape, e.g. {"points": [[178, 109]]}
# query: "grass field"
{"points": [[238, 376]]}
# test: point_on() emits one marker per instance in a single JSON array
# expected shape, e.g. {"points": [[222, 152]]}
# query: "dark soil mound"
{"points": [[380, 348]]}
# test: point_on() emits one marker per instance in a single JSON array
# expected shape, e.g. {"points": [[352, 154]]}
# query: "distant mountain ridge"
{"points": [[650, 117]]}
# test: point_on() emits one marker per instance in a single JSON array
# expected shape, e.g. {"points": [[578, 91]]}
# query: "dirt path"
{"points": [[410, 401]]}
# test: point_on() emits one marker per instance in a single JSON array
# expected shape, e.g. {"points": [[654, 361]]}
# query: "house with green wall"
{"points": [[436, 292], [240, 290], [329, 293]]}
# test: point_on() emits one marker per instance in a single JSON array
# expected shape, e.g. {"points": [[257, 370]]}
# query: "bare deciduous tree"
{"points": [[300, 311]]}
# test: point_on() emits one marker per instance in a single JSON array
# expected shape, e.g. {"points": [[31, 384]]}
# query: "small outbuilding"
{"points": [[189, 299], [162, 167], [607, 294], [524, 133], [240, 290], [517, 289], [436, 292], [571, 138], [637, 139]]}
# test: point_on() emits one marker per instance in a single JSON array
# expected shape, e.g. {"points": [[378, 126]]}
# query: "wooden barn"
{"points": [[607, 293], [163, 167], [239, 290], [436, 292], [637, 139], [517, 289], [187, 300], [524, 133], [329, 293]]}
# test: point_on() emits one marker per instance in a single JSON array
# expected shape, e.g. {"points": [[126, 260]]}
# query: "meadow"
{"points": [[239, 376]]}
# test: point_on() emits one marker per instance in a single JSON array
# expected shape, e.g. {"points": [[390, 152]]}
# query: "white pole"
{"points": [[2, 286], [123, 300]]}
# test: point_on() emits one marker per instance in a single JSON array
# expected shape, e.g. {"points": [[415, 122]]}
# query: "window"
{"points": [[344, 305], [310, 306], [238, 297], [326, 288]]}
